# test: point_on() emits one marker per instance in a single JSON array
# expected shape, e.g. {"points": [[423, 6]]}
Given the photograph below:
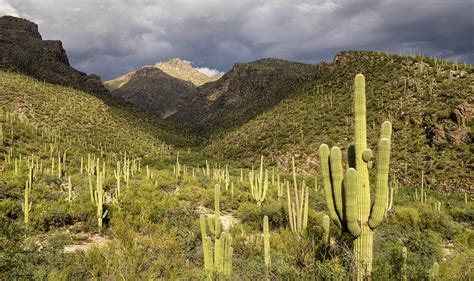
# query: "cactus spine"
{"points": [[348, 197], [266, 242]]}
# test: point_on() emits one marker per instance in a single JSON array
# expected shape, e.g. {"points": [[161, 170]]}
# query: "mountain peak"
{"points": [[184, 70]]}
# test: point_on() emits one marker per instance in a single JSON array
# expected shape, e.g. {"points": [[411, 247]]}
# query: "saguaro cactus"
{"points": [[266, 242], [259, 184], [348, 196], [326, 230], [26, 204], [404, 269], [298, 208], [221, 261]]}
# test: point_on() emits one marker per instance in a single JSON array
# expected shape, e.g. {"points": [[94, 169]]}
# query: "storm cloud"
{"points": [[113, 37]]}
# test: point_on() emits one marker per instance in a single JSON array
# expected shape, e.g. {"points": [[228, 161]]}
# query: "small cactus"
{"points": [[434, 272], [404, 269], [26, 203], [266, 241], [326, 231], [69, 189]]}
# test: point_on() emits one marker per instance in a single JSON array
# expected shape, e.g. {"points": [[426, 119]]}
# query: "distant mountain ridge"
{"points": [[22, 49], [247, 90], [174, 67]]}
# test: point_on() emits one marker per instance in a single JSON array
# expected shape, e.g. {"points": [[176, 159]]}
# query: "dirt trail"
{"points": [[227, 220], [91, 241]]}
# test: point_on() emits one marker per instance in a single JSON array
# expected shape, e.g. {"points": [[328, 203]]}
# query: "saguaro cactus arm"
{"points": [[335, 161], [324, 155], [381, 188], [350, 199]]}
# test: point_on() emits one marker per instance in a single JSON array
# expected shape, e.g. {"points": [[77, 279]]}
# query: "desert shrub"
{"points": [[253, 215], [462, 214], [406, 216]]}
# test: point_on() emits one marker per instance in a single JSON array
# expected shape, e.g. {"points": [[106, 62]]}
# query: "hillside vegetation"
{"points": [[247, 90], [79, 115], [91, 190], [428, 101]]}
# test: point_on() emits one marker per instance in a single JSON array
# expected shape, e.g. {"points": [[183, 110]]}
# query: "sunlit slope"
{"points": [[77, 114]]}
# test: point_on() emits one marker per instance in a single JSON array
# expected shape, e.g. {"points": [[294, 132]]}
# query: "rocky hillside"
{"points": [[22, 49], [430, 104], [247, 90], [154, 91]]}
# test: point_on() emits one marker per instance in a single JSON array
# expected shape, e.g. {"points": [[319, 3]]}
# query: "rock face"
{"points": [[183, 70], [22, 49], [241, 94], [452, 131], [169, 89], [154, 91]]}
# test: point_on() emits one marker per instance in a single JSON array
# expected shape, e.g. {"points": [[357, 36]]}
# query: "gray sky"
{"points": [[112, 37]]}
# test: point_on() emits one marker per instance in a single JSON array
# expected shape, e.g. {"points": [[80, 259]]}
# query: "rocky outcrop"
{"points": [[154, 91], [453, 131], [22, 49], [185, 71]]}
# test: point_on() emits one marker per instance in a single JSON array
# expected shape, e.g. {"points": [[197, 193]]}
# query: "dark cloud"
{"points": [[117, 36]]}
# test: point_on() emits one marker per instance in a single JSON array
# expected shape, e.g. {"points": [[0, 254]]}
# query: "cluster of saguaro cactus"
{"points": [[280, 187], [266, 242], [221, 261], [348, 196], [298, 208], [98, 195], [259, 184]]}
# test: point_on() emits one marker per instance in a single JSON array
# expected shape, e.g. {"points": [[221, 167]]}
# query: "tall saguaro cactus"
{"points": [[348, 196]]}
